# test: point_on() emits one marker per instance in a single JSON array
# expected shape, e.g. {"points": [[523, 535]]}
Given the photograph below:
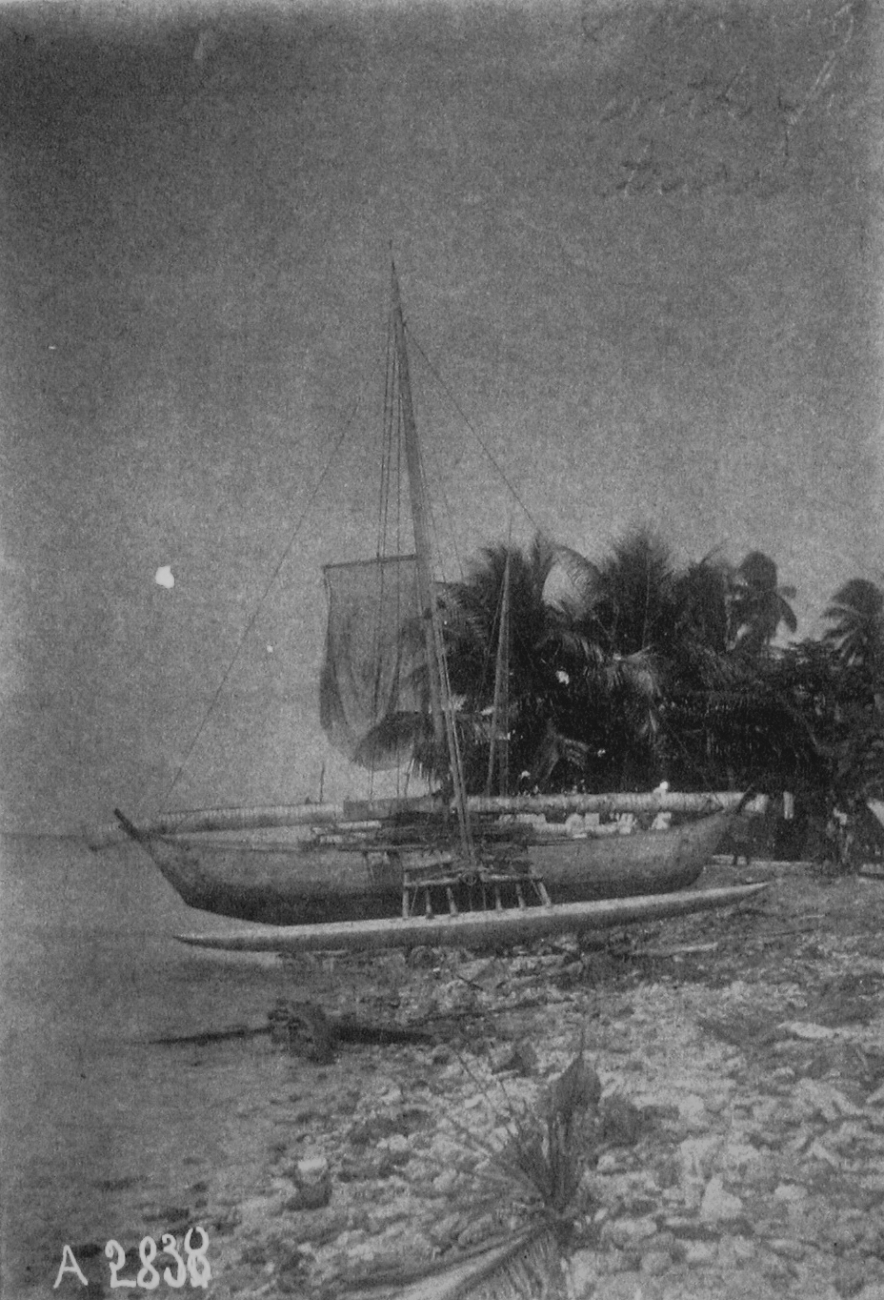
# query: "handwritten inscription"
{"points": [[160, 1265]]}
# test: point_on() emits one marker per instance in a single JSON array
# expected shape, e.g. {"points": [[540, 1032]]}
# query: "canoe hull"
{"points": [[297, 884]]}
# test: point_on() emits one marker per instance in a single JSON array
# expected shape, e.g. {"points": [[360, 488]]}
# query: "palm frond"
{"points": [[527, 1266], [582, 577]]}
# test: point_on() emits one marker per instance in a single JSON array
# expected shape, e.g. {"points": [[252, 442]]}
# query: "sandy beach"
{"points": [[741, 1057]]}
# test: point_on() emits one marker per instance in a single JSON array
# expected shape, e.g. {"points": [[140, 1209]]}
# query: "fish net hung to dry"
{"points": [[373, 675]]}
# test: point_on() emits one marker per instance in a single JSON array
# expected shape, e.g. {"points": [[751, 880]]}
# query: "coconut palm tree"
{"points": [[856, 638], [857, 631], [701, 594], [728, 720], [703, 682], [758, 606], [535, 685], [583, 675], [630, 607], [629, 670], [617, 640]]}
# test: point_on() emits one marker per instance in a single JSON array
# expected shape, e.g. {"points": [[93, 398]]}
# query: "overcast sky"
{"points": [[639, 242]]}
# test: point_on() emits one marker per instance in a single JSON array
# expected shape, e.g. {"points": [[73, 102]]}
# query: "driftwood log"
{"points": [[305, 1029]]}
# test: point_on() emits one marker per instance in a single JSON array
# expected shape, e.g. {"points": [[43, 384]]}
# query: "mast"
{"points": [[418, 515], [500, 709], [440, 695]]}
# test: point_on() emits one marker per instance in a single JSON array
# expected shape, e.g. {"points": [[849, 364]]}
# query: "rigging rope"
{"points": [[251, 623], [510, 488], [383, 520]]}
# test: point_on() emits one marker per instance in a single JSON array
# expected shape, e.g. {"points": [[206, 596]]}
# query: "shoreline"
{"points": [[757, 1104]]}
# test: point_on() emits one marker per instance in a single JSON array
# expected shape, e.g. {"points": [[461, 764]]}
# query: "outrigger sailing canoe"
{"points": [[387, 871], [393, 870]]}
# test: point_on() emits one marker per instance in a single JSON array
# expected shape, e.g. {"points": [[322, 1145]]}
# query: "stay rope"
{"points": [[259, 604], [468, 423]]}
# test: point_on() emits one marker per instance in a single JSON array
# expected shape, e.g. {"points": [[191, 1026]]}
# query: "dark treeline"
{"points": [[625, 672]]}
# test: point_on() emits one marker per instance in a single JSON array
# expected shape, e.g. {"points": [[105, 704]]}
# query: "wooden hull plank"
{"points": [[473, 929]]}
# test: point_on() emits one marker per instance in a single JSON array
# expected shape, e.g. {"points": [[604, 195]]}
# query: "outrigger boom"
{"points": [[352, 812]]}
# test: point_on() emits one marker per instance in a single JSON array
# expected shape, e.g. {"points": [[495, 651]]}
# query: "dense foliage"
{"points": [[621, 673]]}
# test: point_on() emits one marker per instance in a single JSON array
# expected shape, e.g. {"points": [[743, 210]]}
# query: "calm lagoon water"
{"points": [[103, 1134]]}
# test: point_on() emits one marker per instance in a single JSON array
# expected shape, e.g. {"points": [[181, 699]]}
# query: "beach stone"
{"points": [[612, 1260], [255, 1209], [719, 1205], [422, 958], [870, 1233], [362, 1252], [734, 1252], [627, 1233], [778, 1270], [396, 1144], [445, 1230], [806, 1030], [518, 1058], [656, 1262], [716, 1102], [447, 1150], [381, 1216], [350, 1238], [817, 1151], [315, 1197], [811, 1098], [741, 1158], [790, 1193], [445, 1183], [787, 1247], [317, 1226], [850, 1277], [629, 1285], [696, 1157], [693, 1113], [481, 971], [583, 1267], [369, 1132], [312, 1169], [764, 1109], [700, 1253], [622, 1122]]}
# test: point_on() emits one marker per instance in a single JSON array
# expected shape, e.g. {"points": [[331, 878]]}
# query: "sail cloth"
{"points": [[373, 682]]}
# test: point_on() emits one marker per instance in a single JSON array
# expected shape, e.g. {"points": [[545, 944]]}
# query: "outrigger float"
{"points": [[509, 926]]}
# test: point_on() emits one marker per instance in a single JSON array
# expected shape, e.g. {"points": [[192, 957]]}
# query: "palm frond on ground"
{"points": [[540, 1168]]}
